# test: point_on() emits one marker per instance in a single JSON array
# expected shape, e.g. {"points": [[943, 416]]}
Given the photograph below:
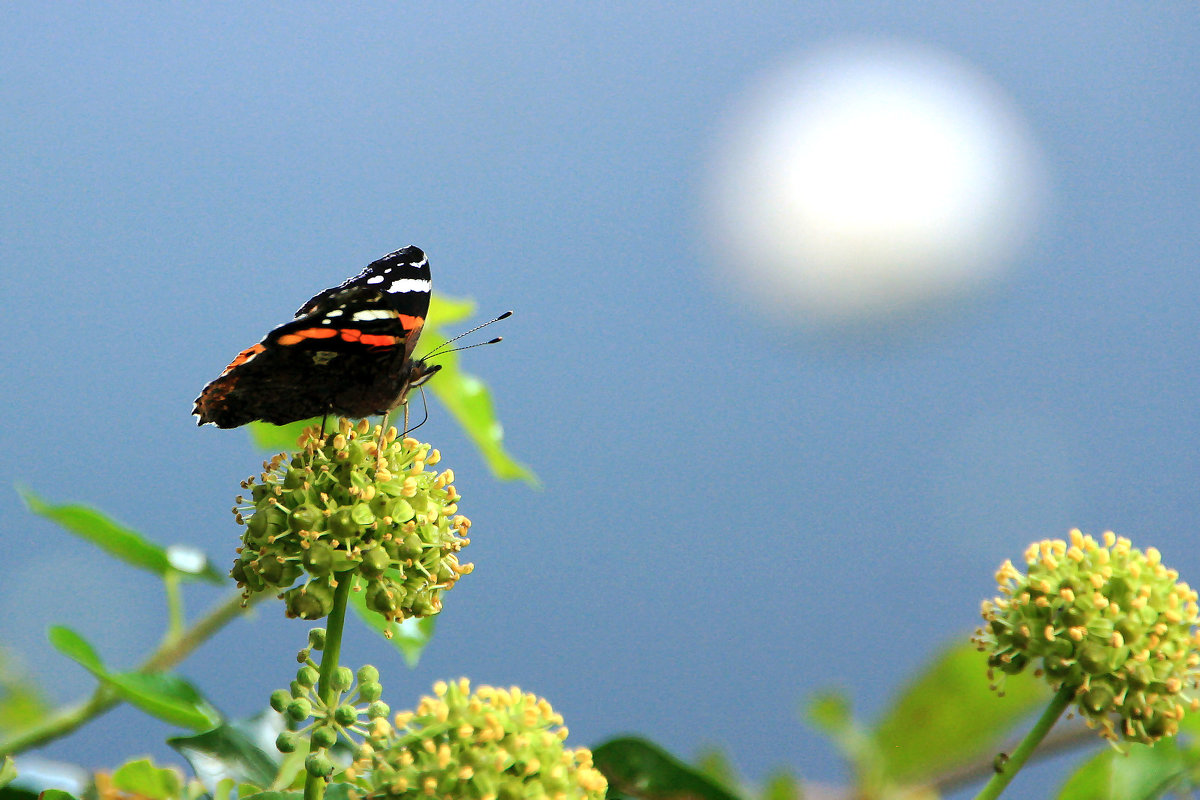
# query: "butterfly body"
{"points": [[348, 352]]}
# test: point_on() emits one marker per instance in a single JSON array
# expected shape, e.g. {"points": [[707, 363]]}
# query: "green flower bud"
{"points": [[316, 639], [287, 742], [367, 674], [369, 692], [279, 699], [374, 562], [345, 715], [318, 559], [318, 765], [298, 710], [309, 602], [1106, 620], [378, 709], [324, 736], [307, 676], [342, 678]]}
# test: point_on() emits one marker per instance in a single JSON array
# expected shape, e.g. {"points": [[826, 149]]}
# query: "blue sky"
{"points": [[733, 514]]}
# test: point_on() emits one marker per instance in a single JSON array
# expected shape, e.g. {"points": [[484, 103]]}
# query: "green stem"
{"points": [[314, 787], [65, 719], [1006, 770], [175, 616]]}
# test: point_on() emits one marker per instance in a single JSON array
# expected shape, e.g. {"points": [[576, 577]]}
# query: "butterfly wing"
{"points": [[349, 351]]}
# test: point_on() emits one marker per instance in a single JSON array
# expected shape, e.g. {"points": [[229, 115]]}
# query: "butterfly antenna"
{"points": [[441, 350]]}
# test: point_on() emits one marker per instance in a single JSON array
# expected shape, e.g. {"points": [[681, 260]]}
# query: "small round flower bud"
{"points": [[316, 638], [342, 678], [378, 709], [367, 674], [369, 692], [287, 741], [279, 699], [318, 765], [309, 602], [345, 714], [307, 676], [324, 736], [298, 710], [1106, 620]]}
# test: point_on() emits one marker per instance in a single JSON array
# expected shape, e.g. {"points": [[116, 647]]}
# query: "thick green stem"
{"points": [[174, 649], [314, 787], [1010, 767]]}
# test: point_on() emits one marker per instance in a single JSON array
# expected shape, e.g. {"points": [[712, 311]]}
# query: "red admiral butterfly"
{"points": [[348, 352]]}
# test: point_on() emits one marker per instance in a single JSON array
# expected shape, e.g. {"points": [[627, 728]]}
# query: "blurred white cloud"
{"points": [[869, 180]]}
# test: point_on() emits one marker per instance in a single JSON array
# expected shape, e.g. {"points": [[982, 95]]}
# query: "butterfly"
{"points": [[348, 352]]}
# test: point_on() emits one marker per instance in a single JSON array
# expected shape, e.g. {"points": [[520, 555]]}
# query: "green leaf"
{"points": [[163, 695], [113, 538], [1143, 773], [638, 768], [241, 758], [409, 637], [948, 714], [76, 648], [279, 437], [167, 697], [21, 702], [56, 794], [275, 796], [142, 778], [782, 786], [8, 770], [715, 764]]}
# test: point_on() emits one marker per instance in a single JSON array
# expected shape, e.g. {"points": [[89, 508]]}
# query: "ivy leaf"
{"points": [[921, 734], [232, 751], [638, 768], [161, 695], [144, 779], [1142, 773], [113, 538]]}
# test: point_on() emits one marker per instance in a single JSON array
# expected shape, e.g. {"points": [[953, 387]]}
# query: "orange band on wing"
{"points": [[378, 340], [307, 333], [244, 356], [411, 323]]}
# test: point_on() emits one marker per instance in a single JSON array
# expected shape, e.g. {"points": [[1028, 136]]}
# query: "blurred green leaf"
{"points": [[1143, 773], [118, 541], [56, 794], [277, 795], [465, 396], [21, 702], [948, 714], [167, 697], [782, 786], [409, 637], [713, 763], [162, 695], [8, 770], [829, 711], [233, 750], [142, 778], [76, 648], [637, 768]]}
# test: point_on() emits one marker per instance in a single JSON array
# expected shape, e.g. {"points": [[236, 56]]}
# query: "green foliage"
{"points": [[166, 697], [637, 768], [948, 714], [118, 541], [8, 770], [142, 778], [230, 749], [1143, 772]]}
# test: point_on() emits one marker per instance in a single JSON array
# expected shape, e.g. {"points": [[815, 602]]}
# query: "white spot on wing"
{"points": [[409, 285], [337, 312], [373, 314], [375, 279]]}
